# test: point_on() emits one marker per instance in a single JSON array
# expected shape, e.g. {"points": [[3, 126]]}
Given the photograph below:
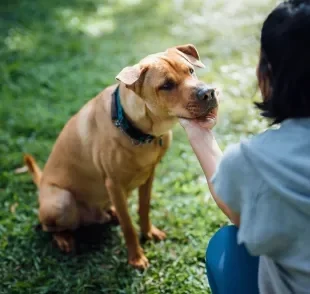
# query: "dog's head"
{"points": [[168, 84]]}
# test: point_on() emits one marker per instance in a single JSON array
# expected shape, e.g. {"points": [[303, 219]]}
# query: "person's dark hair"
{"points": [[285, 62]]}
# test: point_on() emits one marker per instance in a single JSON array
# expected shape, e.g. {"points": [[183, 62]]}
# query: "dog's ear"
{"points": [[130, 75], [190, 53]]}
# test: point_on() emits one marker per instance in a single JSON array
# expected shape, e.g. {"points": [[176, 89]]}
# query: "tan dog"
{"points": [[96, 161]]}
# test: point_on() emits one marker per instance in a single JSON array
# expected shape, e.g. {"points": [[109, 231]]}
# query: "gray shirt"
{"points": [[267, 181]]}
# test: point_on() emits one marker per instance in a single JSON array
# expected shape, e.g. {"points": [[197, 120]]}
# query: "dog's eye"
{"points": [[167, 86], [191, 71]]}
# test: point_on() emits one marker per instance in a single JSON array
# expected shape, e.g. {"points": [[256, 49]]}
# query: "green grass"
{"points": [[54, 56]]}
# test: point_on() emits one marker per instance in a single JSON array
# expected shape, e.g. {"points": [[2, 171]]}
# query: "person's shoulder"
{"points": [[236, 156], [288, 130], [261, 139]]}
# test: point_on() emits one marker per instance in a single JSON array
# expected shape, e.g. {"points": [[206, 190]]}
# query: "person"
{"points": [[263, 184]]}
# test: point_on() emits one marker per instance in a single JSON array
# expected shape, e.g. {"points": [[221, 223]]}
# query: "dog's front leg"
{"points": [[147, 229], [118, 198]]}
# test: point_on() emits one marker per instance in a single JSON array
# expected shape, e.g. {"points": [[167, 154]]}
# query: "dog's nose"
{"points": [[204, 94]]}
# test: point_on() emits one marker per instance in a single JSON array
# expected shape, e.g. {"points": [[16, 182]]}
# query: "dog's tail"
{"points": [[33, 168]]}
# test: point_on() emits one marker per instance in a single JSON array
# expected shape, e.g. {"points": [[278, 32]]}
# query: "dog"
{"points": [[113, 145]]}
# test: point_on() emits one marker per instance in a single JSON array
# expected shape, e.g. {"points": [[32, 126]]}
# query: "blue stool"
{"points": [[230, 268]]}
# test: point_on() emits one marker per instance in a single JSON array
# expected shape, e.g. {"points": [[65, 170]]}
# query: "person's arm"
{"points": [[209, 154]]}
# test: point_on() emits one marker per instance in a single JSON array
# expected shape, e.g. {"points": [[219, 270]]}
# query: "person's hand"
{"points": [[196, 128]]}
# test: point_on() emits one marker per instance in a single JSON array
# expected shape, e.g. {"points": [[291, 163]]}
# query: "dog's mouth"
{"points": [[211, 114]]}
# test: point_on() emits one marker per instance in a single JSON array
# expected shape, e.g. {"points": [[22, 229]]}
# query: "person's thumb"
{"points": [[185, 123]]}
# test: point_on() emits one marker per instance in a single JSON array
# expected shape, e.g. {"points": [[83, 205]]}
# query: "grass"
{"points": [[54, 56]]}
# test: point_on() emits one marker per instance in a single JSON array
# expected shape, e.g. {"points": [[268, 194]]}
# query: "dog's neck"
{"points": [[141, 116]]}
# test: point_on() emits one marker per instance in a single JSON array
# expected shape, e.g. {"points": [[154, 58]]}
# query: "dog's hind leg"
{"points": [[59, 214]]}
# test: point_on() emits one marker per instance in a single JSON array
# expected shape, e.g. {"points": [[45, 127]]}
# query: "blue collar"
{"points": [[120, 120]]}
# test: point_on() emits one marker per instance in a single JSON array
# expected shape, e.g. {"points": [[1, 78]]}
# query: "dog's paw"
{"points": [[64, 241], [155, 234], [139, 261]]}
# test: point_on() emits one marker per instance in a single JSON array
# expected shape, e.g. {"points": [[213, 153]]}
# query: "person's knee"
{"points": [[216, 259], [225, 236], [228, 264]]}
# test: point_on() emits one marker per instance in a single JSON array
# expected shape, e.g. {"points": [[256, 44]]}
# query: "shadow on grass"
{"points": [[88, 238]]}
